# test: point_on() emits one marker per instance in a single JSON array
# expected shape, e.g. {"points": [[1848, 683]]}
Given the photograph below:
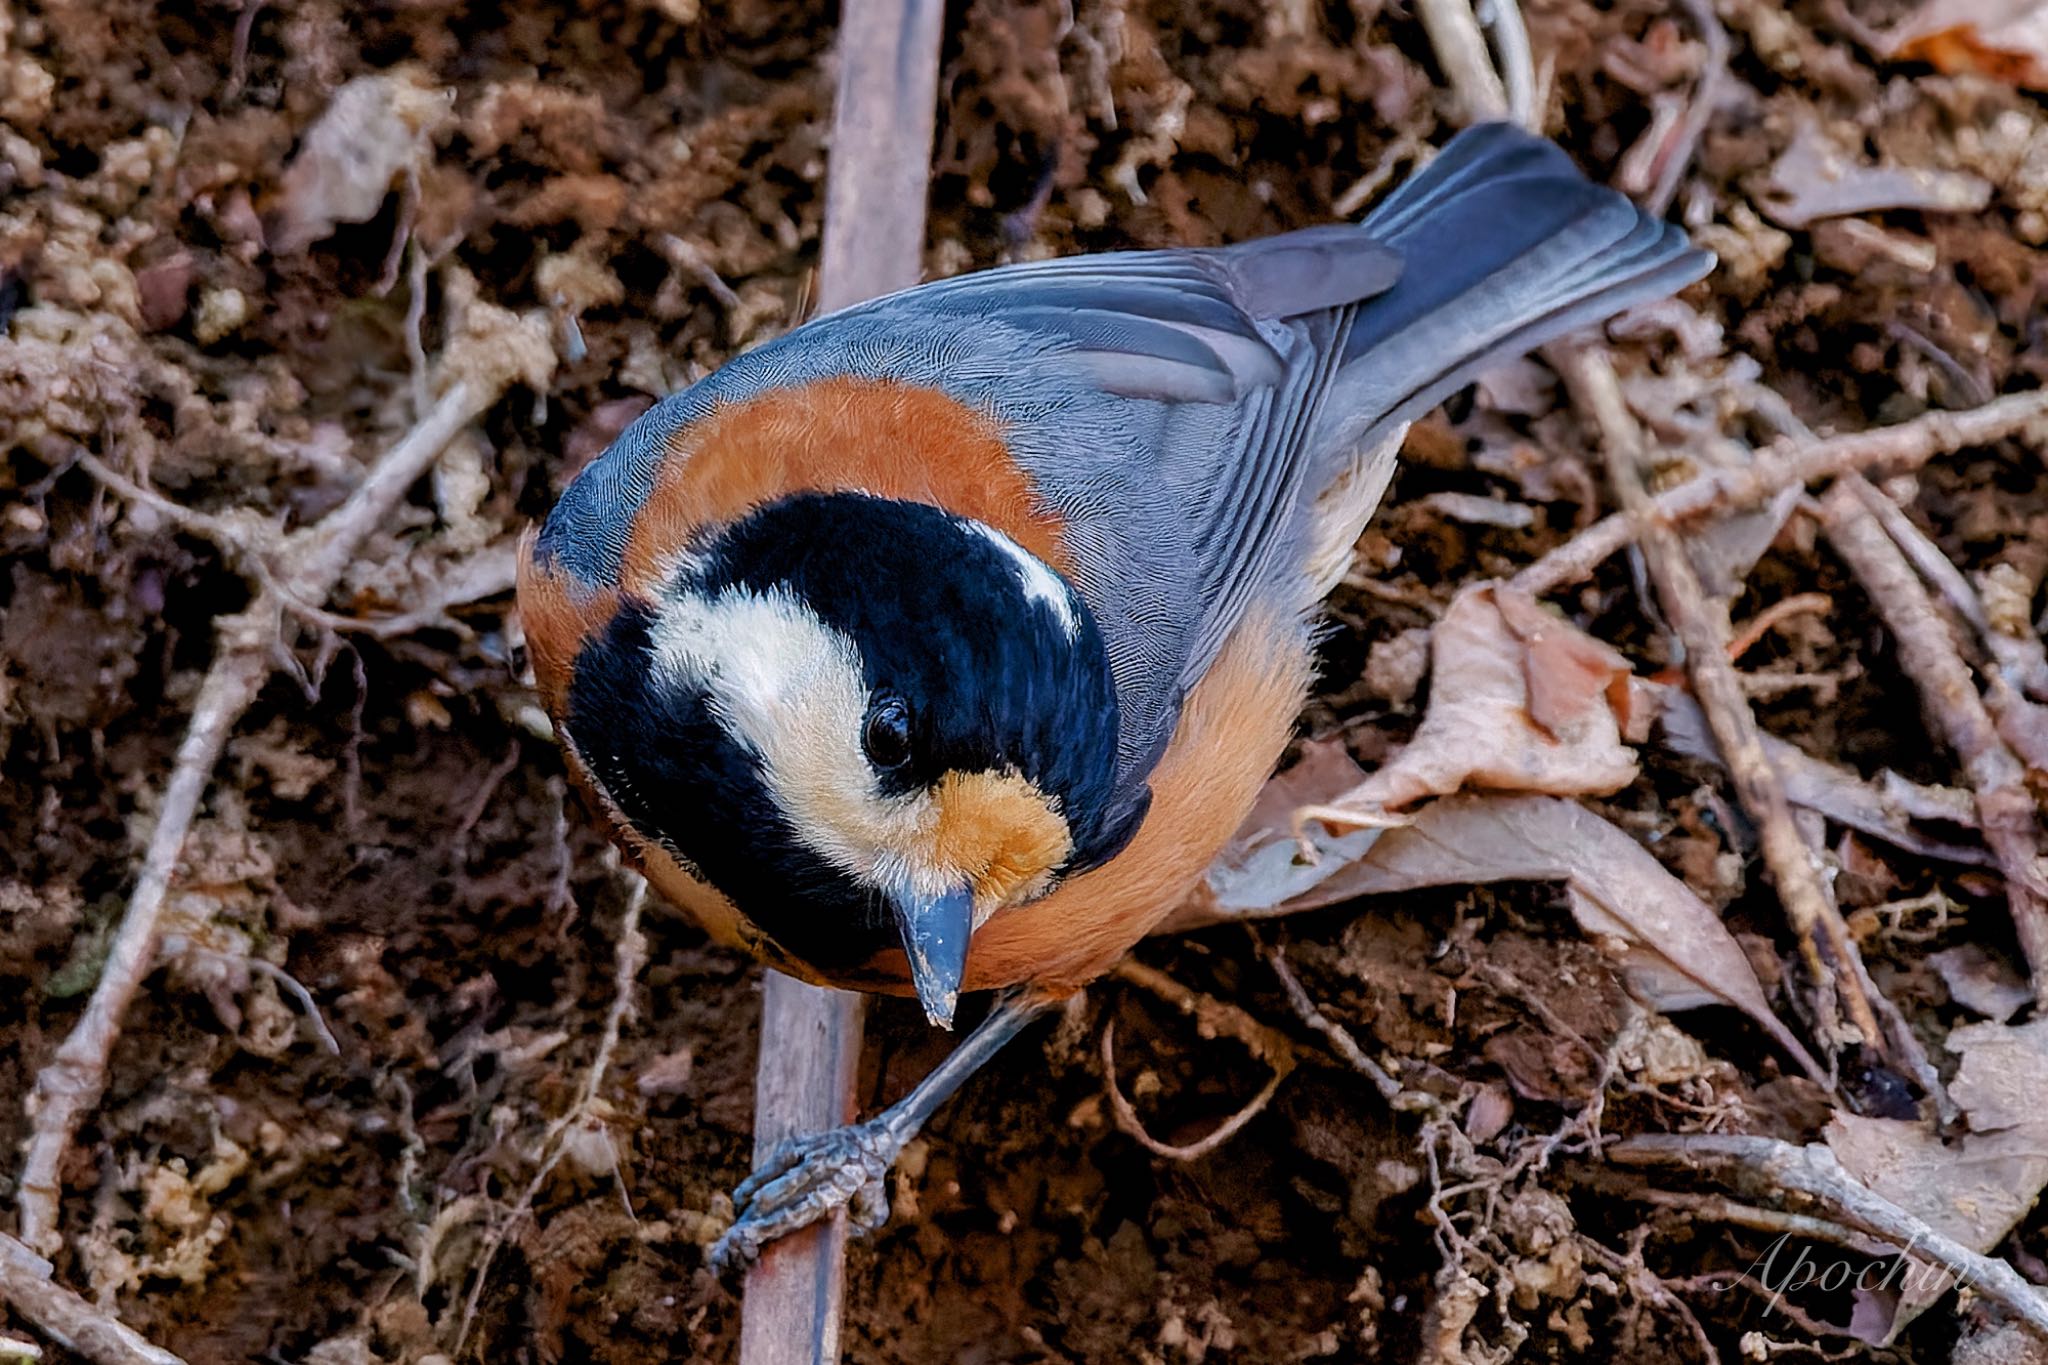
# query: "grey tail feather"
{"points": [[1505, 246]]}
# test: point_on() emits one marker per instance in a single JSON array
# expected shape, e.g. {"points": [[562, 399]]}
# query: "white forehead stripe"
{"points": [[765, 659], [1041, 585], [790, 689]]}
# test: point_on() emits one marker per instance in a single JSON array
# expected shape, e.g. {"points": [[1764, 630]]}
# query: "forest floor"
{"points": [[244, 246]]}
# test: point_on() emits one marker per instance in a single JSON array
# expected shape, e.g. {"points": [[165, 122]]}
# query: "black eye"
{"points": [[887, 736]]}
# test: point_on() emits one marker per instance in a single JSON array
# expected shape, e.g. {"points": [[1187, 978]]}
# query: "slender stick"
{"points": [[1701, 625], [1460, 47], [27, 1287], [1780, 1168], [1787, 464], [69, 1086], [1927, 652], [883, 121]]}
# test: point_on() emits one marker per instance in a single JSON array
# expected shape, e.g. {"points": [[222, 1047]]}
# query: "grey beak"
{"points": [[935, 933]]}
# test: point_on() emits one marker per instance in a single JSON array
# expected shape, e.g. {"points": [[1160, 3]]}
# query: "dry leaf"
{"points": [[1975, 1189], [1982, 983], [375, 129], [1262, 867], [1674, 949], [1884, 810], [2002, 1078], [1816, 178], [1520, 700], [2006, 40]]}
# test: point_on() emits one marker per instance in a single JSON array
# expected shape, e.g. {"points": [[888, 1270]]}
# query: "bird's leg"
{"points": [[807, 1177]]}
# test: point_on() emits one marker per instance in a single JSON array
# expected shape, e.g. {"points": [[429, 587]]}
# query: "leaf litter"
{"points": [[205, 286]]}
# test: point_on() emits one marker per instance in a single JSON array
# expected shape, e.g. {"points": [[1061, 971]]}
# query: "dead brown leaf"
{"points": [[1981, 983], [1520, 700], [375, 129], [1674, 951], [1975, 1189]]}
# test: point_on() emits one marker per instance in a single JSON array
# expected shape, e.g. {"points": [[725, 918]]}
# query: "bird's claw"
{"points": [[803, 1180]]}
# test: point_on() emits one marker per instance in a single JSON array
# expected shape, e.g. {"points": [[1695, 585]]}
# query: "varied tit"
{"points": [[941, 644]]}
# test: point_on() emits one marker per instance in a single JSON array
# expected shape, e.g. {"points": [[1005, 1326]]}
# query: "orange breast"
{"points": [[1233, 729]]}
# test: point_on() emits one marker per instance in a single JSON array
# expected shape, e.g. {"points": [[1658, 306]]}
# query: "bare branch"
{"points": [[1702, 627], [27, 1285], [497, 351], [1767, 1166], [1927, 651], [1786, 464]]}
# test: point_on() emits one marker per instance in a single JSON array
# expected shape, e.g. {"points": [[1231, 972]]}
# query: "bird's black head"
{"points": [[866, 722]]}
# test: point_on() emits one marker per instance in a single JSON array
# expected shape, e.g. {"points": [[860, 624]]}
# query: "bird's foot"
{"points": [[805, 1179]]}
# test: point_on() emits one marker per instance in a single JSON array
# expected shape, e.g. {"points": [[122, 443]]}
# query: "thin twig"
{"points": [[1927, 653], [306, 568], [219, 532], [1699, 111], [298, 992], [1340, 1037], [1648, 1285], [488, 788], [27, 1285], [1791, 462], [1719, 1208], [1460, 49], [1767, 1165], [629, 955], [1702, 627], [1128, 1122], [1770, 618], [70, 1084], [1922, 553], [1517, 64], [1212, 1016]]}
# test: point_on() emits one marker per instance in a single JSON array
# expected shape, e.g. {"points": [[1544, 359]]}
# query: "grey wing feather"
{"points": [[1183, 411], [1185, 384], [1339, 336]]}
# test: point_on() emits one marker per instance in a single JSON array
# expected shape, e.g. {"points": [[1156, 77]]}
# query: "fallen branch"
{"points": [[1765, 1166], [495, 351], [1702, 627], [1927, 653], [1786, 464], [884, 117], [28, 1286]]}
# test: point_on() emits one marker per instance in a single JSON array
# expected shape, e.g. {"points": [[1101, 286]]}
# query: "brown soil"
{"points": [[387, 831]]}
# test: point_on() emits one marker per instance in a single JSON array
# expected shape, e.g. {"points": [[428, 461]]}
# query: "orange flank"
{"points": [[559, 616], [1232, 730]]}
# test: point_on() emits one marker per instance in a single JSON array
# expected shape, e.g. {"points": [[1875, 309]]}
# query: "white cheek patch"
{"points": [[789, 689], [1042, 587]]}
